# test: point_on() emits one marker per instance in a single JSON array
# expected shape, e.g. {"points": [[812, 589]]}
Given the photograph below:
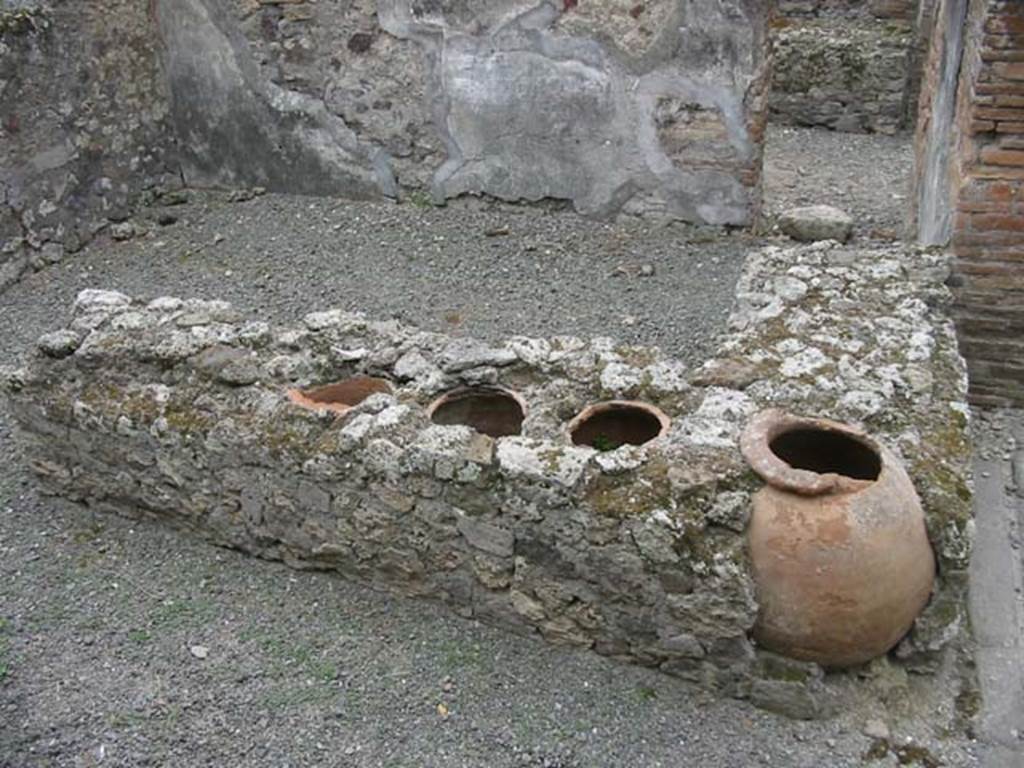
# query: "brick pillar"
{"points": [[970, 182], [988, 228]]}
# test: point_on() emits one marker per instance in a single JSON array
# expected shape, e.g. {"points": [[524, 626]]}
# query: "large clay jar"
{"points": [[840, 554]]}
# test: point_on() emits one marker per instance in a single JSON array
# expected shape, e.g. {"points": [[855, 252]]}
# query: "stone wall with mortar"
{"points": [[904, 10], [849, 74], [653, 107], [83, 128], [177, 409], [971, 184]]}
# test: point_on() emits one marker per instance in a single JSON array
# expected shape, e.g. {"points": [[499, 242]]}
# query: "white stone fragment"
{"points": [[165, 304], [531, 351], [357, 428], [706, 432], [817, 222], [542, 460], [790, 289], [667, 376], [92, 299], [349, 355], [803, 363], [655, 542], [464, 353], [618, 378], [920, 346], [440, 449], [319, 321], [412, 365], [862, 404], [254, 334], [131, 321], [59, 344], [623, 459], [727, 404], [391, 417], [731, 510]]}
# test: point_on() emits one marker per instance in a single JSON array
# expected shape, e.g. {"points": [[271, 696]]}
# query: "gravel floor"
{"points": [[866, 175], [102, 621], [483, 270]]}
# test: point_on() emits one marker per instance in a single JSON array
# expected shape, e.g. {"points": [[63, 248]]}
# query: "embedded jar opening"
{"points": [[607, 426], [827, 452], [494, 412], [341, 396]]}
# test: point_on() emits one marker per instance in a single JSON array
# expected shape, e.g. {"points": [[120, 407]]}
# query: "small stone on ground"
{"points": [[817, 222]]}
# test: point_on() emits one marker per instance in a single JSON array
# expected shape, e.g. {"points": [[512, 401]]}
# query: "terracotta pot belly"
{"points": [[842, 563]]}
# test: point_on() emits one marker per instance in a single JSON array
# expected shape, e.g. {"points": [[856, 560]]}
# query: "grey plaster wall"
{"points": [[656, 110], [236, 128]]}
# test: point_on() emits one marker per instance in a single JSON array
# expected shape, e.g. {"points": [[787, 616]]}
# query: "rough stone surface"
{"points": [[83, 132], [536, 535], [813, 223], [239, 129], [853, 75], [655, 108], [851, 9]]}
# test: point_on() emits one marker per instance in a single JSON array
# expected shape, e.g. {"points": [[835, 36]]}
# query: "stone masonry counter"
{"points": [[180, 410]]}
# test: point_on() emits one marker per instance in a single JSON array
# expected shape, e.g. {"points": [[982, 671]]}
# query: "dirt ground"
{"points": [[123, 643]]}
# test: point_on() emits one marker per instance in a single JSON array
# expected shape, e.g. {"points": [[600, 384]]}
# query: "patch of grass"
{"points": [[180, 614], [420, 199], [324, 670], [646, 694], [50, 614], [4, 650], [122, 720], [285, 656], [21, 21], [139, 636], [460, 654], [906, 754], [91, 624], [604, 443], [284, 698], [88, 534]]}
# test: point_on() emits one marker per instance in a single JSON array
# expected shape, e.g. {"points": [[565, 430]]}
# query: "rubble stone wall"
{"points": [[655, 108], [904, 10], [849, 65], [83, 128], [177, 409], [847, 74]]}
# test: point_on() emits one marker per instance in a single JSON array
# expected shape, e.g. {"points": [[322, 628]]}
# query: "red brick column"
{"points": [[988, 228]]}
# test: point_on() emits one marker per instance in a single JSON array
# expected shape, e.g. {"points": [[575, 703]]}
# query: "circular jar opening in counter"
{"points": [[341, 396], [609, 425], [827, 452], [489, 410]]}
